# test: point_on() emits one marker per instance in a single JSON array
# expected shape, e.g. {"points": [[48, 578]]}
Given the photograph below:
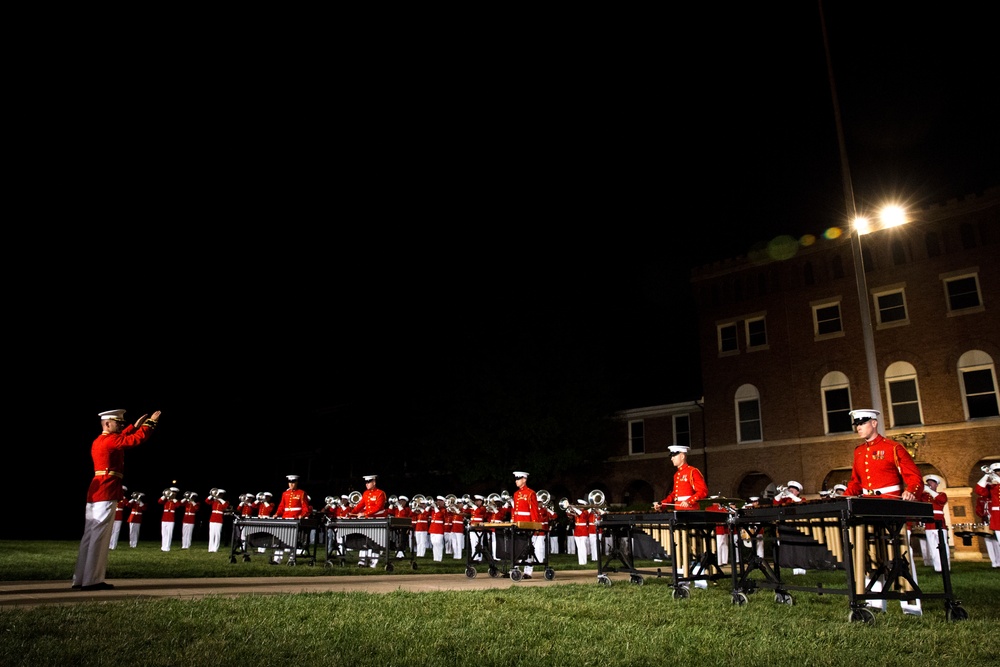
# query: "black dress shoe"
{"points": [[526, 576], [102, 586], [77, 587]]}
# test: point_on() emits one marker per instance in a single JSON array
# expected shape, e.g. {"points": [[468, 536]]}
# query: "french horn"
{"points": [[354, 498], [543, 497]]}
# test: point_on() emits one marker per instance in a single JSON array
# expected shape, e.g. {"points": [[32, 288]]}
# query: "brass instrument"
{"points": [[393, 500], [505, 497], [565, 506], [543, 497], [330, 502], [354, 498]]}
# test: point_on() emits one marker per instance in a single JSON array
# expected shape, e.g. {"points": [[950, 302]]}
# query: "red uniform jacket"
{"points": [[689, 488], [294, 505], [108, 453], [137, 509], [992, 494], [218, 508], [190, 510], [169, 509], [884, 468], [372, 504]]}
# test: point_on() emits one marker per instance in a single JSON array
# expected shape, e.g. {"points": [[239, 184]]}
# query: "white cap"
{"points": [[219, 492], [754, 499], [403, 498], [995, 466], [677, 449], [439, 498], [268, 494], [861, 416], [928, 478], [581, 501], [118, 415], [292, 478], [369, 478], [175, 489], [519, 473], [345, 496], [840, 487], [478, 497], [795, 484]]}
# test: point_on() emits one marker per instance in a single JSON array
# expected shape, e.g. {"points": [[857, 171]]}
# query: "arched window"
{"points": [[836, 402], [748, 424], [904, 394], [978, 380]]}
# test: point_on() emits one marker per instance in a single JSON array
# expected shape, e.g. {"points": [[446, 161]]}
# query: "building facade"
{"points": [[783, 361]]}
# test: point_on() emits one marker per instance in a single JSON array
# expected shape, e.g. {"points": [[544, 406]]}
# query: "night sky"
{"points": [[259, 248]]}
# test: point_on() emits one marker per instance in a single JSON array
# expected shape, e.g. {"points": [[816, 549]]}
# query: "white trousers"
{"points": [[932, 550], [553, 544], [593, 546], [116, 528], [166, 535], [214, 536], [722, 549], [187, 533], [457, 544], [538, 545], [993, 548], [92, 561], [422, 542], [133, 534], [437, 546], [581, 543]]}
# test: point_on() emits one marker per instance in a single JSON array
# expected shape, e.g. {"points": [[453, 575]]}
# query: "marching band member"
{"points": [[457, 533], [343, 512], [938, 500], [170, 506], [477, 518], [526, 509], [138, 506], [104, 492], [551, 519], [448, 519], [435, 528], [689, 483], [294, 503], [119, 517], [988, 488], [217, 505], [838, 491], [404, 511], [882, 468], [791, 495], [421, 521], [191, 506], [247, 506], [373, 505], [593, 516], [265, 507], [581, 531]]}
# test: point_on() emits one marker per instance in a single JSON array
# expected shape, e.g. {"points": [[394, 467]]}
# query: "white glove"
{"points": [[930, 492], [985, 480]]}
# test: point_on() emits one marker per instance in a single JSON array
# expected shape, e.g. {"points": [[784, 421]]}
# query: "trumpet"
{"points": [[565, 506]]}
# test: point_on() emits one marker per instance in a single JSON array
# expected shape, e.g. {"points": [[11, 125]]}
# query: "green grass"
{"points": [[570, 624]]}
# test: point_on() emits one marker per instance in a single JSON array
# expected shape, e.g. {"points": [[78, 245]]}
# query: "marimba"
{"points": [[514, 549], [875, 553], [287, 536], [690, 538], [387, 535]]}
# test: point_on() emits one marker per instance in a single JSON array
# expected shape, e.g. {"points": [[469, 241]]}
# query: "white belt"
{"points": [[879, 492], [682, 498]]}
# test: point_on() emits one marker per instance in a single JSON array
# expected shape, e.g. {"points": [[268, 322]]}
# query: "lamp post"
{"points": [[866, 320]]}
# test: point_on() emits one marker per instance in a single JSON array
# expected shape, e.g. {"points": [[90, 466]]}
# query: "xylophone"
{"points": [[258, 534], [688, 537], [387, 535], [875, 552]]}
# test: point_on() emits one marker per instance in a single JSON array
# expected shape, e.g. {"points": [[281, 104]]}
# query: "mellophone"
{"points": [[866, 534]]}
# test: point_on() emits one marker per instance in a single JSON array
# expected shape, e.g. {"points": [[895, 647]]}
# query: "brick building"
{"points": [[783, 361]]}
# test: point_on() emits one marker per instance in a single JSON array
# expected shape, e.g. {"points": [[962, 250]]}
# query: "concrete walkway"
{"points": [[27, 594]]}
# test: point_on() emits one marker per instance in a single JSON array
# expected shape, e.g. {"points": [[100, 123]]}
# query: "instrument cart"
{"points": [[876, 557], [286, 539], [514, 549], [386, 536]]}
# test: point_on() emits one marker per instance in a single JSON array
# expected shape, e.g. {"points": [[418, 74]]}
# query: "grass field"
{"points": [[570, 624]]}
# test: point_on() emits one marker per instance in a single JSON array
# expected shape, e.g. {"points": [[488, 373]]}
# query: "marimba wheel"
{"points": [[956, 614], [603, 579], [784, 598], [389, 567], [682, 593], [637, 580], [739, 599], [494, 572], [470, 572], [550, 574], [515, 575], [413, 565], [864, 615]]}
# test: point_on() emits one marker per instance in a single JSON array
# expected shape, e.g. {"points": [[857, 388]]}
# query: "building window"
{"points": [[756, 332], [890, 307], [837, 402], [898, 253], [904, 396], [837, 266], [727, 338], [933, 243], [748, 422], [962, 291], [979, 385], [682, 430], [636, 437], [826, 319]]}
